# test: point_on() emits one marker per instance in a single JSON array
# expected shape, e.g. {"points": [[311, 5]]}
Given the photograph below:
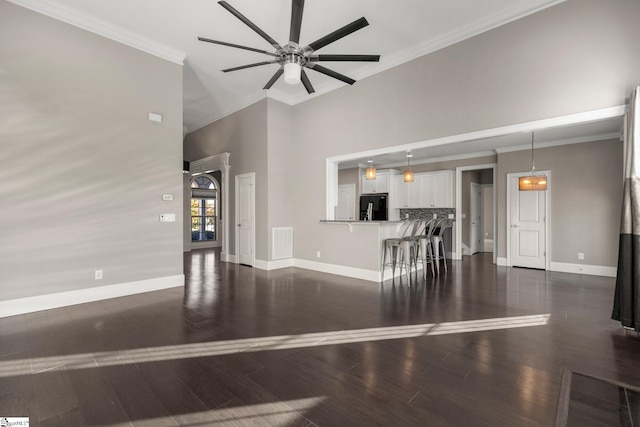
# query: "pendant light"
{"points": [[532, 182], [408, 173], [371, 170]]}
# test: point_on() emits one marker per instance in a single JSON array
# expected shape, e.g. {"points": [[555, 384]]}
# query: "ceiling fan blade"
{"points": [[273, 79], [339, 33], [242, 67], [306, 82], [363, 58], [297, 7], [250, 24], [202, 39], [330, 73]]}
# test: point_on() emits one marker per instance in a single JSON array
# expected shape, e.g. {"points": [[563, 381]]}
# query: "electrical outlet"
{"points": [[580, 255], [98, 274], [317, 254]]}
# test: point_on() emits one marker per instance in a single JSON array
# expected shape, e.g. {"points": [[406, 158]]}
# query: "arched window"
{"points": [[203, 209]]}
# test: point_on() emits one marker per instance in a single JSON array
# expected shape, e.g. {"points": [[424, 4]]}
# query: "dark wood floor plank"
{"points": [[143, 367]]}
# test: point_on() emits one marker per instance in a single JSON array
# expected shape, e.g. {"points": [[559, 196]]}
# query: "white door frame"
{"points": [[458, 224], [252, 176], [475, 208], [547, 217]]}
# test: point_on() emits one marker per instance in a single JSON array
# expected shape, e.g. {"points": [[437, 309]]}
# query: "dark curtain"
{"points": [[626, 304]]}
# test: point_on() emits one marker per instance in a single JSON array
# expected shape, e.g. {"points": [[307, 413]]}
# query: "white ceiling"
{"points": [[399, 31]]}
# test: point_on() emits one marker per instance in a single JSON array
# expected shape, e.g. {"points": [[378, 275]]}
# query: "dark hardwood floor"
{"points": [[193, 356]]}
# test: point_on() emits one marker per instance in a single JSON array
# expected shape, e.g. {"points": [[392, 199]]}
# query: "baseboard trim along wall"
{"points": [[592, 270], [18, 306], [340, 270], [375, 276]]}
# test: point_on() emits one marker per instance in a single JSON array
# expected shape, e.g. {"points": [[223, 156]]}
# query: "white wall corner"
{"points": [[64, 299]]}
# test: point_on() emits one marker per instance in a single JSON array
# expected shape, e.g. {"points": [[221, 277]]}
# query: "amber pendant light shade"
{"points": [[532, 182]]}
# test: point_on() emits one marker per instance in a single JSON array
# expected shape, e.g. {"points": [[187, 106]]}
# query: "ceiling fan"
{"points": [[292, 57]]}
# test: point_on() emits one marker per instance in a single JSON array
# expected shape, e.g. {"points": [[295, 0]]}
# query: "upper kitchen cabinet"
{"points": [[379, 185], [428, 190], [436, 189]]}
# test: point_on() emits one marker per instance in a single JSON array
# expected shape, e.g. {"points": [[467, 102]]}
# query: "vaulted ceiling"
{"points": [[398, 31]]}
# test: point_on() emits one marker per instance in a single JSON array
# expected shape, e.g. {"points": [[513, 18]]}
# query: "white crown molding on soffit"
{"points": [[87, 22], [430, 46], [569, 119]]}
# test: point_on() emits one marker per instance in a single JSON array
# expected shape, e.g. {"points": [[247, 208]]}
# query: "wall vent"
{"points": [[282, 242]]}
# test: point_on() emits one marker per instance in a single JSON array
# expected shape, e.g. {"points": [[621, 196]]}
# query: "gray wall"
{"points": [[577, 56], [244, 135], [280, 203], [586, 198], [82, 170]]}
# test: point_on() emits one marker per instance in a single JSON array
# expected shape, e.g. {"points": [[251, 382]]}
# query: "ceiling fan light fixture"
{"points": [[292, 71]]}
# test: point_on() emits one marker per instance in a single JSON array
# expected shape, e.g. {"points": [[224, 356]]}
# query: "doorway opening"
{"points": [[476, 210], [204, 209]]}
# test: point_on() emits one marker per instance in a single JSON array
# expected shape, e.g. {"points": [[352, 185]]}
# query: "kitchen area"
{"points": [[377, 204]]}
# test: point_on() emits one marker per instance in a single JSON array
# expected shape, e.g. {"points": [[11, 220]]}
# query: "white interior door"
{"points": [[526, 225], [346, 209], [475, 217], [245, 219]]}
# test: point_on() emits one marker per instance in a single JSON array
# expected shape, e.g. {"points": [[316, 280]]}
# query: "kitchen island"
{"points": [[357, 247]]}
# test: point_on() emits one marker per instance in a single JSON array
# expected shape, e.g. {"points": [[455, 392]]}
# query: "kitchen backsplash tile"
{"points": [[427, 213]]}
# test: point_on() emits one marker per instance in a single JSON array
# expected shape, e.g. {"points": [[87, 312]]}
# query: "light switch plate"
{"points": [[167, 197], [168, 217]]}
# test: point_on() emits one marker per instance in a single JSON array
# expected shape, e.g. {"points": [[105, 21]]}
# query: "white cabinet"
{"points": [[378, 185], [428, 190]]}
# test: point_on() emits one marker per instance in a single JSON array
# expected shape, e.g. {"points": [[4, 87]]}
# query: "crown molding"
{"points": [[64, 13]]}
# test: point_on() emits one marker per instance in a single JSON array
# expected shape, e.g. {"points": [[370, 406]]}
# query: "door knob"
{"points": [[238, 225], [514, 226]]}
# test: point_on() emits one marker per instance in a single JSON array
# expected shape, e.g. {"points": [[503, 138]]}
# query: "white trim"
{"points": [[458, 224], [527, 127], [64, 13], [477, 154], [547, 217], [593, 270], [274, 265], [332, 189], [501, 262], [63, 299], [341, 270], [226, 257]]}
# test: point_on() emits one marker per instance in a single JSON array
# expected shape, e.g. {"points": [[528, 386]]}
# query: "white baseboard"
{"points": [[341, 270], [18, 306], [274, 265], [592, 270], [226, 257], [502, 262]]}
